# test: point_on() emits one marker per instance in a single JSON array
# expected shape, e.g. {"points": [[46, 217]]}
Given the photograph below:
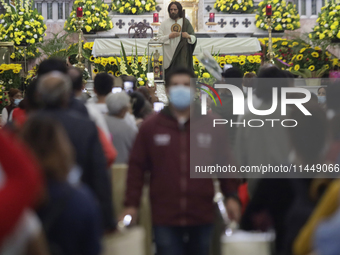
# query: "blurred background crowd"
{"points": [[62, 154]]}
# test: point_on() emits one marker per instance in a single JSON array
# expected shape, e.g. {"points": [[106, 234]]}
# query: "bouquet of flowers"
{"points": [[285, 16], [328, 23], [232, 6], [95, 14], [311, 63], [133, 7], [23, 26], [9, 76]]}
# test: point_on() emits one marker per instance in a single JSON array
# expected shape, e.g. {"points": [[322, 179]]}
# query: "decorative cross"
{"points": [[246, 22], [132, 22], [208, 8], [222, 23], [120, 24], [145, 22], [158, 9], [234, 23]]}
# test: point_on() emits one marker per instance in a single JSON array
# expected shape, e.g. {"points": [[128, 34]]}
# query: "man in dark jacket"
{"points": [[182, 207], [76, 103], [54, 89]]}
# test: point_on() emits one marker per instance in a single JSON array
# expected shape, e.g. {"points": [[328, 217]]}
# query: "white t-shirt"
{"points": [[4, 117], [102, 108], [98, 118]]}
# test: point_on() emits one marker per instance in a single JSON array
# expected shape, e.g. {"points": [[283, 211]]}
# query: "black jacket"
{"points": [[83, 135]]}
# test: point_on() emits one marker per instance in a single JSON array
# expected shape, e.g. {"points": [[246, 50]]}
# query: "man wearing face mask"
{"points": [[15, 97], [182, 208], [179, 39]]}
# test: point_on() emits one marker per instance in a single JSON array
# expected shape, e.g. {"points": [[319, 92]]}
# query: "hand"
{"points": [[129, 211], [174, 34], [234, 209], [185, 35]]}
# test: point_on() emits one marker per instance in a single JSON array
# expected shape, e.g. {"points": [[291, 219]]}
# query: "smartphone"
{"points": [[116, 89], [158, 106], [128, 86]]}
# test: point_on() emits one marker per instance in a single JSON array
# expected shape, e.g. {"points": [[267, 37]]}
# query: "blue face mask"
{"points": [[180, 96], [17, 101], [322, 99]]}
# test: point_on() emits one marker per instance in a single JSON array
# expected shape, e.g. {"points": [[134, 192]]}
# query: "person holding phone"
{"points": [[182, 211]]}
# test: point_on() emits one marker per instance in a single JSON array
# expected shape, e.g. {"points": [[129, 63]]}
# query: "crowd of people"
{"points": [[58, 147]]}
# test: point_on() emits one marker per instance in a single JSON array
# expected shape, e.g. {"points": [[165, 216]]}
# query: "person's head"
{"points": [[175, 10], [48, 141], [145, 92], [32, 103], [15, 96], [322, 95], [309, 137], [248, 79], [103, 84], [232, 76], [137, 103], [52, 64], [270, 77], [118, 104], [76, 76], [54, 89], [177, 85]]}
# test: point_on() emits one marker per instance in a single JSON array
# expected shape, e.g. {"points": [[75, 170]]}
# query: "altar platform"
{"points": [[243, 45]]}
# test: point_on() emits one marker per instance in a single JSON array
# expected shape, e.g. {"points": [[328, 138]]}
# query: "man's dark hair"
{"points": [[177, 72], [31, 101], [52, 64], [233, 76], [137, 102], [265, 87], [103, 84], [179, 7], [76, 76]]}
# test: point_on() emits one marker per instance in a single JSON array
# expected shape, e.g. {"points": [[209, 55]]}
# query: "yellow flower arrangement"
{"points": [[314, 62], [285, 16], [96, 16], [10, 77], [133, 6], [22, 26], [231, 6], [327, 26]]}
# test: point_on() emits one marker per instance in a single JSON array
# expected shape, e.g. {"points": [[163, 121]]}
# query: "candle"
{"points": [[79, 12], [269, 10], [211, 17], [155, 18]]}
